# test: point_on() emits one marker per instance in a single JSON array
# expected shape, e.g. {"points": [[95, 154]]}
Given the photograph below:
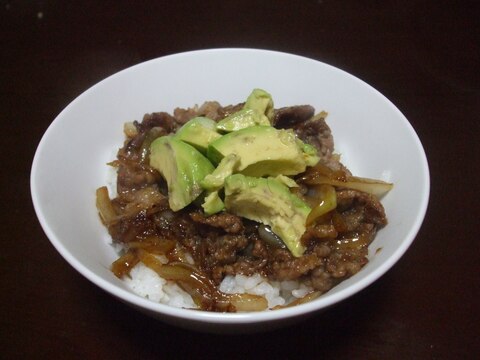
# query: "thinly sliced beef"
{"points": [[317, 133], [229, 110], [159, 119], [133, 175], [288, 117], [228, 222], [210, 109], [284, 266], [358, 207]]}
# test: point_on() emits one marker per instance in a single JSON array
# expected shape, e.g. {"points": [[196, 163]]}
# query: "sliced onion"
{"points": [[104, 206], [266, 233], [307, 298], [177, 271], [153, 244], [167, 214], [144, 199], [321, 169], [353, 242], [247, 302], [322, 174], [151, 135], [130, 130], [326, 198], [124, 264], [371, 186]]}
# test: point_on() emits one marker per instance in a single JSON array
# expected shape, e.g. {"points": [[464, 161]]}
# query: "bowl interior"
{"points": [[373, 137]]}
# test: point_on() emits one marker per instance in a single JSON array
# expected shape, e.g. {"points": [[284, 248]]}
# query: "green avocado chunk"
{"points": [[198, 132], [261, 101], [226, 167], [182, 166], [268, 201], [257, 110], [310, 154], [263, 151], [242, 119], [213, 203], [285, 180]]}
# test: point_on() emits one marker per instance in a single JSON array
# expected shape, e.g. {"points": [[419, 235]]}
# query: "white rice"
{"points": [[147, 283]]}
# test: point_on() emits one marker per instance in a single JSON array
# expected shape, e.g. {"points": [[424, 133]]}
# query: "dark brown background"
{"points": [[423, 55]]}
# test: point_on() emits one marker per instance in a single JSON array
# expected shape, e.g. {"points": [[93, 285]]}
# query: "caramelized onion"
{"points": [[104, 206], [247, 302], [352, 242], [307, 298], [322, 174], [326, 200], [130, 130], [178, 271], [323, 170], [371, 186], [124, 264], [266, 233], [148, 198], [153, 244], [151, 135]]}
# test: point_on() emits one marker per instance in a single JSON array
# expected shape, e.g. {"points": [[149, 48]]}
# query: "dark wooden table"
{"points": [[423, 55]]}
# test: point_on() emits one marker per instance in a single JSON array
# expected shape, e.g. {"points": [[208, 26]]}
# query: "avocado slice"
{"points": [[241, 120], [182, 166], [257, 110], [226, 167], [213, 203], [268, 201], [263, 151], [310, 154], [261, 101], [285, 180], [198, 132]]}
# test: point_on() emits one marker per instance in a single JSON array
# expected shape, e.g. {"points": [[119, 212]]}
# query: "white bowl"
{"points": [[372, 135]]}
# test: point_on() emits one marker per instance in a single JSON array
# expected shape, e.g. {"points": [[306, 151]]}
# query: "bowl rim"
{"points": [[230, 318]]}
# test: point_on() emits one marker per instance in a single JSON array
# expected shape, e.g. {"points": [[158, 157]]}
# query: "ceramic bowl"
{"points": [[373, 137]]}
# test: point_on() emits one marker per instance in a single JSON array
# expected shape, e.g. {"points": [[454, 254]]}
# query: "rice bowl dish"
{"points": [[72, 156]]}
